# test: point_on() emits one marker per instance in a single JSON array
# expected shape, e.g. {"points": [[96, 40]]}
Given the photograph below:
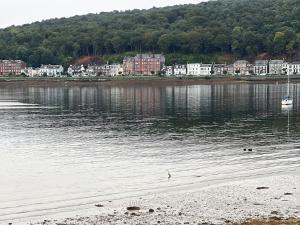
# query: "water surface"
{"points": [[65, 148]]}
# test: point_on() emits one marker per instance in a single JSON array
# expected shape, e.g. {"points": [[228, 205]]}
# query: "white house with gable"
{"points": [[116, 70], [51, 70], [31, 72], [180, 70], [261, 67], [275, 67], [294, 68], [168, 70], [199, 69]]}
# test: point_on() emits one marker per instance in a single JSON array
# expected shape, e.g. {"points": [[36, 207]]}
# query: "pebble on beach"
{"points": [[133, 208]]}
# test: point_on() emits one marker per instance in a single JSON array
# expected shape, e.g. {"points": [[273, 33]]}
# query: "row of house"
{"points": [[95, 70], [18, 67], [154, 64], [44, 70], [194, 69], [265, 67], [142, 64], [240, 67]]}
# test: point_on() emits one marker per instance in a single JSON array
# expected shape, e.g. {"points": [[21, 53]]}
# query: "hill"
{"points": [[215, 30]]}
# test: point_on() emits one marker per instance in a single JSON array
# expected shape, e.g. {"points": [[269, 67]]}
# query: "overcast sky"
{"points": [[17, 12]]}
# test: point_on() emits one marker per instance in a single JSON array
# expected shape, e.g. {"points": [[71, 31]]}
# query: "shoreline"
{"points": [[144, 80], [254, 201]]}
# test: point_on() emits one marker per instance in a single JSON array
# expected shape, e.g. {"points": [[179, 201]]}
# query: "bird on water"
{"points": [[169, 175]]}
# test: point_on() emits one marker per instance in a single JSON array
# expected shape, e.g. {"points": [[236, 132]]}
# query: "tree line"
{"points": [[241, 28]]}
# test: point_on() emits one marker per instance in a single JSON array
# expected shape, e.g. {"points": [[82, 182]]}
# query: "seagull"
{"points": [[169, 175]]}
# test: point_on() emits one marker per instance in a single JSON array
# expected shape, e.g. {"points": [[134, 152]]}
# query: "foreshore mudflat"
{"points": [[271, 200]]}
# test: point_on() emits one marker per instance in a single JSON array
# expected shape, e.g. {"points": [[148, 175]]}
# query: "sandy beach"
{"points": [[275, 198]]}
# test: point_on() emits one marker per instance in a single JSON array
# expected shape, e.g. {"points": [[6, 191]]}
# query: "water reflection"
{"points": [[157, 100]]}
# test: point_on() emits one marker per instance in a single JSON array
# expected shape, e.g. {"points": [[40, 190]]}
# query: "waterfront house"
{"points": [[128, 66], [261, 67], [218, 69], [94, 70], [180, 70], [115, 70], [296, 68], [168, 70], [229, 69], [51, 70], [241, 67], [199, 69], [143, 64], [289, 69], [31, 72], [76, 70], [105, 70], [285, 68], [275, 67], [11, 67], [293, 68]]}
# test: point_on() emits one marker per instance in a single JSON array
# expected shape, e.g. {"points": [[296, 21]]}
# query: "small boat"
{"points": [[287, 100]]}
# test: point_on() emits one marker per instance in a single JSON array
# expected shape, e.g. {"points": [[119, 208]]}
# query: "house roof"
{"points": [[241, 62], [261, 63], [147, 56], [276, 61], [51, 66], [219, 65], [12, 61]]}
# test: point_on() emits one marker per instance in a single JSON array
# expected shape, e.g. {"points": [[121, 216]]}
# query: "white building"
{"points": [[168, 70], [275, 67], [180, 70], [261, 67], [294, 68], [31, 72], [76, 70], [115, 70], [229, 69], [218, 69], [51, 70], [94, 70], [199, 69], [106, 70], [285, 68]]}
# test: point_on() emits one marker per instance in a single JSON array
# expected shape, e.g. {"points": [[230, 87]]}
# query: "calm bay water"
{"points": [[65, 148]]}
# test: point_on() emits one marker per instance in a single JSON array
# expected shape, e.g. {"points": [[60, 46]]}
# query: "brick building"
{"points": [[11, 67], [143, 64]]}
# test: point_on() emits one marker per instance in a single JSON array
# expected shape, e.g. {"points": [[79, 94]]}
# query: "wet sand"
{"points": [[274, 198]]}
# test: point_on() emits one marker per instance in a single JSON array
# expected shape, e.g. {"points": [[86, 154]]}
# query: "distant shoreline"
{"points": [[146, 80]]}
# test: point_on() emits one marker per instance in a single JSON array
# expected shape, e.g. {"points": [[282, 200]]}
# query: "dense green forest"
{"points": [[242, 28]]}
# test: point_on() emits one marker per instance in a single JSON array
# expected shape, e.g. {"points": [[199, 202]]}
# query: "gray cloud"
{"points": [[16, 12]]}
